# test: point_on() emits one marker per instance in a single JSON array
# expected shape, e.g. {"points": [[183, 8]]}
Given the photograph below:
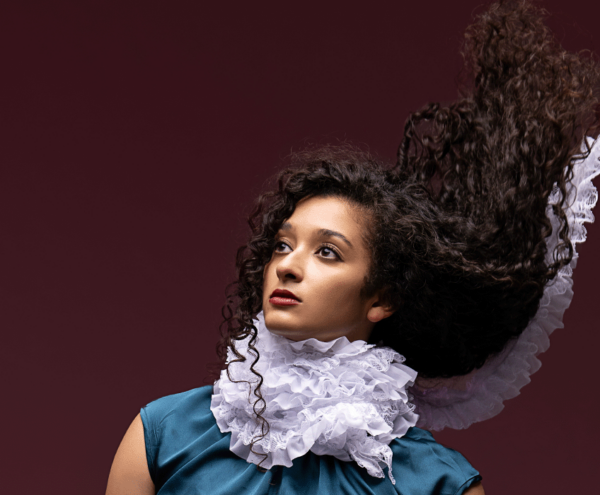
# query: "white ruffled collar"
{"points": [[340, 398]]}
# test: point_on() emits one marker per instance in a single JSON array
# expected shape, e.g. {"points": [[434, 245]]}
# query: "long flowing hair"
{"points": [[457, 226]]}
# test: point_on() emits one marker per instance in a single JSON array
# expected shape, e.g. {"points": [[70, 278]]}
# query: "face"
{"points": [[321, 258]]}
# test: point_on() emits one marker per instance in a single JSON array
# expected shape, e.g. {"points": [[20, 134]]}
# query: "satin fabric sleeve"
{"points": [[427, 463], [188, 454]]}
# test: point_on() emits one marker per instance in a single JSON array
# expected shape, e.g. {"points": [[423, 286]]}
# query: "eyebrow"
{"points": [[321, 232]]}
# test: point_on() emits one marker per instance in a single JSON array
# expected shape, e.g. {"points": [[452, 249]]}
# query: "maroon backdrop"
{"points": [[135, 136]]}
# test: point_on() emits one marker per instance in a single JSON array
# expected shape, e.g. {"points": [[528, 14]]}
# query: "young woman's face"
{"points": [[321, 258]]}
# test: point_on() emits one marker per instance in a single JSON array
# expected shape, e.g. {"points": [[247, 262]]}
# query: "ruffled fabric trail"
{"points": [[459, 402], [340, 398]]}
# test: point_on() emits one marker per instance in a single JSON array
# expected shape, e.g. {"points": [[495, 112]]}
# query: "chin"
{"points": [[278, 320], [285, 325]]}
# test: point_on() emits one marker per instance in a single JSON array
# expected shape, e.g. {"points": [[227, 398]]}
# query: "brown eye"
{"points": [[329, 253], [278, 246]]}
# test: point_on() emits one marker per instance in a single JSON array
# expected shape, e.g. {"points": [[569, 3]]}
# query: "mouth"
{"points": [[281, 297]]}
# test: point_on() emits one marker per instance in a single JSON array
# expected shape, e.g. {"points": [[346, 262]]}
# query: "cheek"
{"points": [[267, 275], [340, 291]]}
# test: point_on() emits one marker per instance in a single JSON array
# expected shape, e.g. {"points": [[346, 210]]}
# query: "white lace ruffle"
{"points": [[459, 402], [340, 398]]}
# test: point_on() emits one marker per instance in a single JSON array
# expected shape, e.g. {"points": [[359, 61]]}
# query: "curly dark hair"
{"points": [[457, 227]]}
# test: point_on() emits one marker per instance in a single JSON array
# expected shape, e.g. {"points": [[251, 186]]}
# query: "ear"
{"points": [[379, 310]]}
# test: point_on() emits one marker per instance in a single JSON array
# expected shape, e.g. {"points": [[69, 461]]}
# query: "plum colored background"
{"points": [[136, 135]]}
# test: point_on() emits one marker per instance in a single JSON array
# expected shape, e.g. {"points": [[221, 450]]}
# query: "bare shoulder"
{"points": [[129, 472], [476, 489]]}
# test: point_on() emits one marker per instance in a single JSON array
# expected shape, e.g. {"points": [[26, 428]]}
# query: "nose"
{"points": [[291, 266]]}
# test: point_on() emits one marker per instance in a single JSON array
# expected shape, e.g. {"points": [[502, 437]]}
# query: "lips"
{"points": [[285, 294]]}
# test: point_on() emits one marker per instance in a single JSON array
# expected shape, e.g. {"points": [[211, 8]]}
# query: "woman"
{"points": [[457, 259]]}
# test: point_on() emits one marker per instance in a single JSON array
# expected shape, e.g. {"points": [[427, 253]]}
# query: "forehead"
{"points": [[328, 213]]}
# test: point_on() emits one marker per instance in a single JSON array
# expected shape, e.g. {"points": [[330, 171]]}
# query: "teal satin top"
{"points": [[188, 454]]}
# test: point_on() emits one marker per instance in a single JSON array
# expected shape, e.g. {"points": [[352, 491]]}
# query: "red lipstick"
{"points": [[282, 297]]}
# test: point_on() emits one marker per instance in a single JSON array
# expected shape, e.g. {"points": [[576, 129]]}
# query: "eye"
{"points": [[328, 251], [278, 245]]}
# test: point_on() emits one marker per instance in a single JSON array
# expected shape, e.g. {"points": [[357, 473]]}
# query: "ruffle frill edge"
{"points": [[459, 402], [340, 398]]}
